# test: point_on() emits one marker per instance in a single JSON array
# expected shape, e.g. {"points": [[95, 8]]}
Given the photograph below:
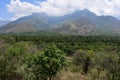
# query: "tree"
{"points": [[84, 58], [10, 61], [49, 63], [116, 75]]}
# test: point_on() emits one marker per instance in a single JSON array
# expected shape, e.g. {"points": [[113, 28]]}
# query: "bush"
{"points": [[49, 63]]}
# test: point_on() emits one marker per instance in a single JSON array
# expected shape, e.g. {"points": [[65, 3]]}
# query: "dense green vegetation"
{"points": [[59, 57]]}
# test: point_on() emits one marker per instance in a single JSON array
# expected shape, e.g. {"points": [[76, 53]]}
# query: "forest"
{"points": [[30, 56]]}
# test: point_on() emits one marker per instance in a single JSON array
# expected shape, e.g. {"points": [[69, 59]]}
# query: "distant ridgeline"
{"points": [[81, 22]]}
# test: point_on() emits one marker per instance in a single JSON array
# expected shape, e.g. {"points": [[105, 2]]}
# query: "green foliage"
{"points": [[50, 62], [116, 73], [31, 57], [11, 62], [8, 39]]}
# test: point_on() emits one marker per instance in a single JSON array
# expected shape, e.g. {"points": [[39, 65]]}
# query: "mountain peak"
{"points": [[86, 10]]}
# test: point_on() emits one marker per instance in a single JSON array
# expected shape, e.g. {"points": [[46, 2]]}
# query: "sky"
{"points": [[14, 9]]}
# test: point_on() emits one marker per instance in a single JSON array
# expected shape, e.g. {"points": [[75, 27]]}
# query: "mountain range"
{"points": [[3, 22], [79, 22]]}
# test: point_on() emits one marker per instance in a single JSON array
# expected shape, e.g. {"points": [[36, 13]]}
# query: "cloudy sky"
{"points": [[14, 9]]}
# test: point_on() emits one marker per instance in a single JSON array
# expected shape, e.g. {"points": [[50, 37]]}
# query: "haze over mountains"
{"points": [[79, 22], [2, 23]]}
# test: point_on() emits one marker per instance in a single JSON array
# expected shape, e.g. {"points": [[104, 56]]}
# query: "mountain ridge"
{"points": [[41, 21]]}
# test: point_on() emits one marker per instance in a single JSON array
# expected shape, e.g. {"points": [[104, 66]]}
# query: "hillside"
{"points": [[26, 24], [79, 22], [80, 26]]}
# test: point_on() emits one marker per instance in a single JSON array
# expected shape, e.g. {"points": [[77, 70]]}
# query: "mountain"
{"points": [[79, 22], [26, 24], [34, 22], [104, 24], [107, 24], [79, 26], [3, 23]]}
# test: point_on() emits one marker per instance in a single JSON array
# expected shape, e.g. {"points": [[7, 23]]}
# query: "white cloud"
{"points": [[20, 9], [62, 7]]}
